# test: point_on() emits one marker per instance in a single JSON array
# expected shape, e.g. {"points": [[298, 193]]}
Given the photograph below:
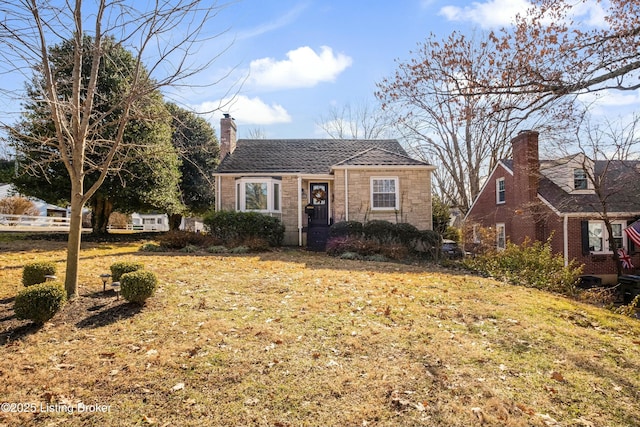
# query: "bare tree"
{"points": [[606, 155], [256, 132], [550, 52], [361, 121], [163, 40], [446, 123]]}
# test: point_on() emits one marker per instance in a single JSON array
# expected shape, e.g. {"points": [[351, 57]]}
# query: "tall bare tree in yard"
{"points": [[447, 123], [549, 53], [162, 39]]}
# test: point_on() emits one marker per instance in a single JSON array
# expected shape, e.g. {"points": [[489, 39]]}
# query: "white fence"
{"points": [[140, 227], [53, 223], [26, 222]]}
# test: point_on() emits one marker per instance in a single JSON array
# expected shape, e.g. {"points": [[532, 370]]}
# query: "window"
{"points": [[596, 236], [500, 191], [476, 233], [261, 194], [384, 193], [599, 240], [501, 237], [580, 179]]}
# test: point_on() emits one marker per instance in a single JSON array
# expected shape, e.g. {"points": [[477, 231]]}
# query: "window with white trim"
{"points": [[500, 191], [501, 236], [599, 239], [384, 193], [258, 194], [580, 179]]}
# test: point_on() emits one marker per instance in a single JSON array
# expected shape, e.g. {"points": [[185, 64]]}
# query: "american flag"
{"points": [[633, 231], [625, 259]]}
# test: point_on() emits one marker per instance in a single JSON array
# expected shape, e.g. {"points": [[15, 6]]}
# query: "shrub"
{"points": [[346, 229], [376, 257], [405, 234], [189, 249], [256, 244], [394, 251], [531, 264], [230, 226], [122, 267], [239, 250], [428, 241], [40, 302], [351, 256], [217, 249], [152, 247], [178, 239], [35, 272], [339, 245], [137, 286], [380, 231]]}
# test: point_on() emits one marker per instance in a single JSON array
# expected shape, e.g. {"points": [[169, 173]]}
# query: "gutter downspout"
{"points": [[346, 194], [565, 238], [217, 178], [299, 211]]}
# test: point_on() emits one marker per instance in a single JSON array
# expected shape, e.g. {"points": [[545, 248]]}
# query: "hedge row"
{"points": [[394, 241]]}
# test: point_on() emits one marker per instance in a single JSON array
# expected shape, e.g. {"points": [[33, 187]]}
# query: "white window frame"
{"points": [[605, 235], [502, 191], [501, 236], [273, 205], [396, 183], [584, 179], [476, 233]]}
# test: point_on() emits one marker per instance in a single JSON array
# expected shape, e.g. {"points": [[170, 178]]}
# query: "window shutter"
{"points": [[584, 232]]}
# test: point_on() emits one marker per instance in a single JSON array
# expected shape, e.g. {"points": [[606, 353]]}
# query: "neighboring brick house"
{"points": [[528, 197], [312, 183]]}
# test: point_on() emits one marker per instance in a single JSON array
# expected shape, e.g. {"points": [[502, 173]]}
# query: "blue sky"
{"points": [[298, 58]]}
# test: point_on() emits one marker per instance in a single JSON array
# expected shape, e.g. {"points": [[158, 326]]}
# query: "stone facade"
{"points": [[414, 191]]}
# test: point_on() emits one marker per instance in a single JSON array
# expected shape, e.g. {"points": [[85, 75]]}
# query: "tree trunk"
{"points": [[174, 221], [73, 245], [101, 208]]}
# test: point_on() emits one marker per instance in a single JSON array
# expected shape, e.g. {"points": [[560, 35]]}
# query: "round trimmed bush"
{"points": [[138, 285], [122, 267], [35, 272], [40, 302]]}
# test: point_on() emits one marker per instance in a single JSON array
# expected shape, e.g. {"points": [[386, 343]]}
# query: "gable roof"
{"points": [[621, 185], [313, 156], [379, 157]]}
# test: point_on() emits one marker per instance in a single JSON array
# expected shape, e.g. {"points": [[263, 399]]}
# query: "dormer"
{"points": [[574, 174]]}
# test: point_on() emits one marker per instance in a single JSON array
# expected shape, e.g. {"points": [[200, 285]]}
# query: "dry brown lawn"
{"points": [[292, 338]]}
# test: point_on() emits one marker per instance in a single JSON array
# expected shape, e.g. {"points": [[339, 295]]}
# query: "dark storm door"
{"points": [[318, 230]]}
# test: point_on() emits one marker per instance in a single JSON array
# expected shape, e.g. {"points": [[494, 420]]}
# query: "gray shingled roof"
{"points": [[312, 156], [622, 187]]}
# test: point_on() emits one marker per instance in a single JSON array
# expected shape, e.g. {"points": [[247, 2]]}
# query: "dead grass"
{"points": [[299, 339]]}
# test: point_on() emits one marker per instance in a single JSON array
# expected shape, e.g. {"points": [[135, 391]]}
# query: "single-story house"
{"points": [[311, 183], [45, 209], [541, 199]]}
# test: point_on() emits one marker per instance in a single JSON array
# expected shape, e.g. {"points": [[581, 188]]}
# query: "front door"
{"points": [[318, 230]]}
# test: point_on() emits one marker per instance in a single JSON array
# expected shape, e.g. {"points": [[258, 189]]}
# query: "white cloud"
{"points": [[591, 13], [498, 13], [245, 110], [490, 14], [281, 21], [302, 68], [607, 101]]}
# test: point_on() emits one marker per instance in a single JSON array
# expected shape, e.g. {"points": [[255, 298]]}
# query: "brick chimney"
{"points": [[227, 135], [526, 166]]}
